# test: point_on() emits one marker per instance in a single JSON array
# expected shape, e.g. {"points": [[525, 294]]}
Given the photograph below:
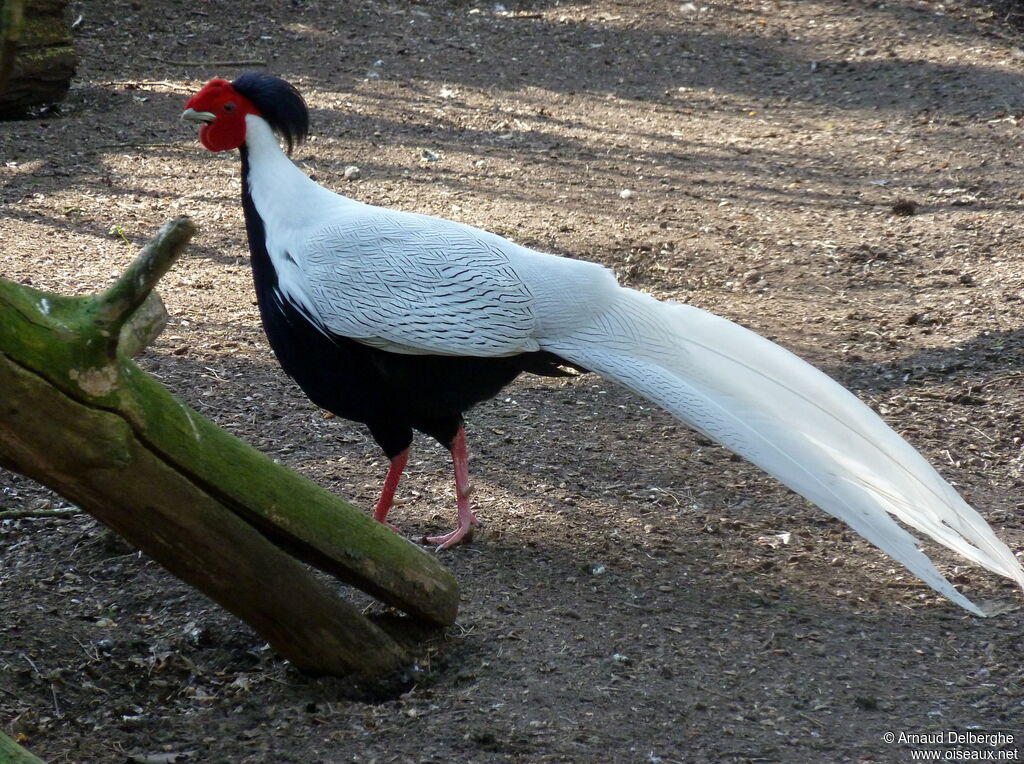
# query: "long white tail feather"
{"points": [[796, 423]]}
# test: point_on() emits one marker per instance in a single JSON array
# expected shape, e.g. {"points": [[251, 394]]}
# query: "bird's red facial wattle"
{"points": [[221, 110]]}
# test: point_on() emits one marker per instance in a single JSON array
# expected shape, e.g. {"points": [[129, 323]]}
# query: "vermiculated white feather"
{"points": [[415, 284]]}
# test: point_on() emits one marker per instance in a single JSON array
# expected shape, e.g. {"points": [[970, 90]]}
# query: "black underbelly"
{"points": [[392, 393]]}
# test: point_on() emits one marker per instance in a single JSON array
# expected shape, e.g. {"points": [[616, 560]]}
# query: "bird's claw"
{"points": [[448, 540], [461, 535]]}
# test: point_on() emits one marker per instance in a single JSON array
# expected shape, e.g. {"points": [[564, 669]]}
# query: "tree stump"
{"points": [[37, 59]]}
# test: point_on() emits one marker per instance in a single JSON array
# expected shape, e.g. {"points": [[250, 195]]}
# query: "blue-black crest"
{"points": [[280, 104]]}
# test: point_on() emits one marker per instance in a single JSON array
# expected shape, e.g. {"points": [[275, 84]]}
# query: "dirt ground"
{"points": [[842, 176]]}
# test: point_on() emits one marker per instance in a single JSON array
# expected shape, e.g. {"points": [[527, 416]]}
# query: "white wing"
{"points": [[416, 284]]}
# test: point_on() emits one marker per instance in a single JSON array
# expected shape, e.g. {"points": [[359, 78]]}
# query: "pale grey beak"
{"points": [[191, 115]]}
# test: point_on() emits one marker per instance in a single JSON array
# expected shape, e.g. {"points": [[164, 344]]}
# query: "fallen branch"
{"points": [[161, 145], [1002, 378], [80, 417], [207, 63], [139, 84]]}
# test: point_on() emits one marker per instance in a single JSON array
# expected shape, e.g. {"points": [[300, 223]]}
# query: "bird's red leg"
{"points": [[467, 520], [387, 493]]}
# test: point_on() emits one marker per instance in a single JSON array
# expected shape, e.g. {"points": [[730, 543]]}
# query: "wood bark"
{"points": [[79, 416], [37, 59]]}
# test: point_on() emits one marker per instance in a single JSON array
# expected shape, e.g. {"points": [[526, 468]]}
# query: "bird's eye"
{"points": [[229, 106]]}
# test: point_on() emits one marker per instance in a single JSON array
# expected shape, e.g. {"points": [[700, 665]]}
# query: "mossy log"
{"points": [[37, 58], [79, 416]]}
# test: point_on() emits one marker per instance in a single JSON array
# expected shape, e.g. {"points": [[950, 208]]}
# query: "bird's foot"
{"points": [[461, 535]]}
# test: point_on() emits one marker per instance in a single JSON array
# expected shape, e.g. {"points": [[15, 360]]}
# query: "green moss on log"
{"points": [[372, 557], [67, 340], [83, 451], [77, 415]]}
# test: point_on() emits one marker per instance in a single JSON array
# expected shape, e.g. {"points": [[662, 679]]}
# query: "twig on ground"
{"points": [[207, 63], [19, 514], [1003, 378], [137, 145], [136, 84]]}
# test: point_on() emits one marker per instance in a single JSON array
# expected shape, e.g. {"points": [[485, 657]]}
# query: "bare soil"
{"points": [[842, 176]]}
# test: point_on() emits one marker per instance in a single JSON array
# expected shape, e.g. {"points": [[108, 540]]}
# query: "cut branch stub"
{"points": [[143, 326], [134, 286]]}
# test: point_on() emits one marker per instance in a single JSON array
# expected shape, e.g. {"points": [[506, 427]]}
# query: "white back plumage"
{"points": [[416, 284]]}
